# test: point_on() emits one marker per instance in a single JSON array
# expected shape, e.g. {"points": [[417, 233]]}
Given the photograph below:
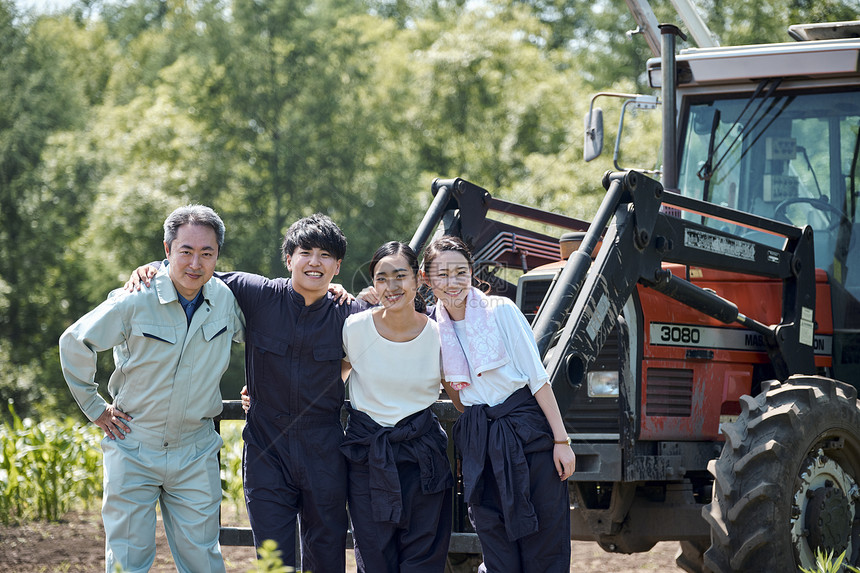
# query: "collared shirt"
{"points": [[167, 372], [292, 351], [190, 306]]}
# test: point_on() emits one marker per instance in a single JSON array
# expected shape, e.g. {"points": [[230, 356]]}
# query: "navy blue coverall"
{"points": [[292, 459], [517, 504]]}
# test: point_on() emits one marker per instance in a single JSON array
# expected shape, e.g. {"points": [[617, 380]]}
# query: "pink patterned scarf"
{"points": [[483, 342]]}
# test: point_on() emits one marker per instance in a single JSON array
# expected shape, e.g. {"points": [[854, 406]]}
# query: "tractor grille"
{"points": [[531, 295], [669, 392]]}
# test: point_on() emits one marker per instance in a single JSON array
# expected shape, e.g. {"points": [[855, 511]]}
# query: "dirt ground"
{"points": [[77, 545]]}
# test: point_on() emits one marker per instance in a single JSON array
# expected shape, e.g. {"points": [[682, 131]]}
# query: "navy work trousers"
{"points": [[293, 466], [517, 504], [418, 544]]}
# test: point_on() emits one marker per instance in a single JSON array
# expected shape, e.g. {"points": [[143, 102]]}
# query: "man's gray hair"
{"points": [[193, 215]]}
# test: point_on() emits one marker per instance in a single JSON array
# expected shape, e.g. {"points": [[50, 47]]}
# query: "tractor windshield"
{"points": [[789, 156]]}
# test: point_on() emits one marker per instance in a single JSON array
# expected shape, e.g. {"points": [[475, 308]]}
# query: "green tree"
{"points": [[493, 107], [44, 93], [599, 34], [293, 106], [739, 23], [116, 112]]}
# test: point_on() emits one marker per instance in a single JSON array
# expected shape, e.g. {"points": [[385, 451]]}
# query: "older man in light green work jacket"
{"points": [[171, 345]]}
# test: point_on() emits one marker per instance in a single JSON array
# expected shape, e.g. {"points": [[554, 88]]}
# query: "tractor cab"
{"points": [[774, 131], [771, 131], [785, 155]]}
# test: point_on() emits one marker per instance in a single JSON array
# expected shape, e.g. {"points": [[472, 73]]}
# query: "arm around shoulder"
{"points": [[236, 312], [248, 288], [141, 276]]}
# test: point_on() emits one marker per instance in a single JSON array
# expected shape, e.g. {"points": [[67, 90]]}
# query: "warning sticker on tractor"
{"points": [[703, 241], [600, 310], [807, 326]]}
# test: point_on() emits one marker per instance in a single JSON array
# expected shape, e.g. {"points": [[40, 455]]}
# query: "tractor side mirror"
{"points": [[593, 134]]}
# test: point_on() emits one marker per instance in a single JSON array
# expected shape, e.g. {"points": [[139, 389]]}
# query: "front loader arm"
{"points": [[583, 306], [461, 208]]}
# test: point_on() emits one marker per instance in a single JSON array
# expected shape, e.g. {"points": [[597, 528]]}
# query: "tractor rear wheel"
{"points": [[788, 479], [690, 556]]}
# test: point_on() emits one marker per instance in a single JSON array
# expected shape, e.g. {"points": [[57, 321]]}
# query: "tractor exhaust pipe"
{"points": [[669, 71]]}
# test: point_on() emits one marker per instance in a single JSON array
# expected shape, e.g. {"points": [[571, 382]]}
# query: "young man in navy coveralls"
{"points": [[293, 350]]}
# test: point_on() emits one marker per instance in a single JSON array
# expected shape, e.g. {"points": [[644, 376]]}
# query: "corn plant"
{"points": [[50, 467], [47, 467], [231, 466], [825, 563]]}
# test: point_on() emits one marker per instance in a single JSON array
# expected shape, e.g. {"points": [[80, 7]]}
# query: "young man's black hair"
{"points": [[316, 231]]}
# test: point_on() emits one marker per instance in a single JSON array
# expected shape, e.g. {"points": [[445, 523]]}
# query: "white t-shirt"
{"points": [[391, 380], [525, 367]]}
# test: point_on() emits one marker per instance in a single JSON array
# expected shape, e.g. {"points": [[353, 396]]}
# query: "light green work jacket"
{"points": [[167, 372]]}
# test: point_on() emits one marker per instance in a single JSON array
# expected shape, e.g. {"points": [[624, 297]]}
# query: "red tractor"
{"points": [[703, 333]]}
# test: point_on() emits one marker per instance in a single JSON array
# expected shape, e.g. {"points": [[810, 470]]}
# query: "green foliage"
{"points": [[114, 113], [740, 23], [51, 467], [47, 468], [595, 33], [269, 559], [44, 96], [825, 563], [233, 494]]}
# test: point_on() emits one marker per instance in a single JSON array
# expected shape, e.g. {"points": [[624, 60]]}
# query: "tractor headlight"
{"points": [[602, 384]]}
